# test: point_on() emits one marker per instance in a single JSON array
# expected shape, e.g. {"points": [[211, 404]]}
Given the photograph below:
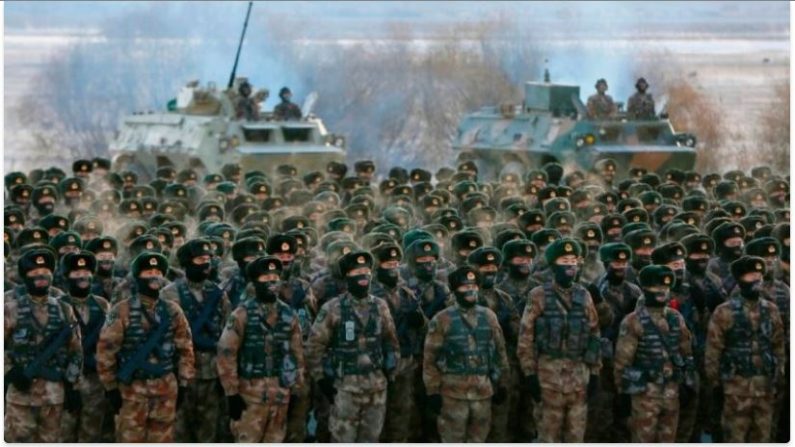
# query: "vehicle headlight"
{"points": [[223, 144], [235, 141], [580, 142], [690, 142], [590, 139]]}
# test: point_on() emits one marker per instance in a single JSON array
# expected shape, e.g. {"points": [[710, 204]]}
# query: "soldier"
{"points": [[487, 261], [286, 110], [144, 340], [615, 298], [777, 292], [107, 277], [640, 105], [692, 308], [206, 307], [654, 361], [296, 293], [261, 357], [246, 107], [746, 355], [518, 258], [90, 310], [356, 333], [464, 363], [410, 325], [43, 354], [235, 283], [600, 105], [560, 374]]}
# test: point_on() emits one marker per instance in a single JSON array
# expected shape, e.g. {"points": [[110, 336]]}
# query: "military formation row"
{"points": [[271, 307]]}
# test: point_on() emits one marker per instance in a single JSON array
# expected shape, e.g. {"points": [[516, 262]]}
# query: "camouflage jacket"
{"points": [[322, 341], [640, 106], [501, 304], [42, 391], [469, 387], [205, 360], [600, 106], [519, 291], [563, 375], [720, 323], [267, 389]]}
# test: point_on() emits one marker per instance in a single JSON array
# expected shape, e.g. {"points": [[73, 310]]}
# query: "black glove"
{"points": [[415, 319], [73, 401], [686, 394], [717, 397], [181, 393], [624, 406], [236, 406], [20, 381], [219, 387], [500, 395], [435, 403], [534, 387], [593, 386], [114, 398], [326, 385]]}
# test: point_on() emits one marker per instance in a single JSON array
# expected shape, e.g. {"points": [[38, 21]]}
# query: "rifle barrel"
{"points": [[239, 47]]}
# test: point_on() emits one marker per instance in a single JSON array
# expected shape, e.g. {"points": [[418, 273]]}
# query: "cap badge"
{"points": [[427, 247], [36, 235], [75, 186], [490, 257], [758, 266], [771, 249], [62, 223], [12, 218], [622, 255], [393, 253], [153, 261], [667, 280], [704, 246], [591, 233], [568, 248], [346, 250], [81, 262], [473, 243], [106, 244], [40, 260], [360, 260], [647, 241], [285, 246], [470, 276]]}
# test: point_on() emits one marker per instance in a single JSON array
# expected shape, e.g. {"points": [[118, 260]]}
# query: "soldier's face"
{"points": [[567, 260], [642, 87], [269, 277], [387, 265], [601, 87], [751, 277]]}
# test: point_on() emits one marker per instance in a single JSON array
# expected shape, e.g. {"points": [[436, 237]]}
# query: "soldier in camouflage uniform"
{"points": [[90, 311], [693, 309], [614, 298], [106, 280], [356, 332], [145, 356], [745, 355], [261, 357], [518, 258], [206, 307], [297, 293], [487, 261], [233, 280], [422, 257], [558, 347], [464, 362], [777, 292], [601, 105], [410, 325], [654, 360], [43, 354], [640, 105]]}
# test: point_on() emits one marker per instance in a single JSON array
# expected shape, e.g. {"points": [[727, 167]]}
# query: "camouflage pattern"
{"points": [[747, 401], [357, 394], [267, 399], [640, 106], [600, 106], [563, 381], [148, 410]]}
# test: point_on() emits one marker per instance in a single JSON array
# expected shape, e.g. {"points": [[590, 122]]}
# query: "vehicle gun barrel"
{"points": [[239, 47]]}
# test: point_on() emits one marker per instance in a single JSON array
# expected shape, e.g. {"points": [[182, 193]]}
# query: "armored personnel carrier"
{"points": [[551, 125], [207, 127], [204, 128]]}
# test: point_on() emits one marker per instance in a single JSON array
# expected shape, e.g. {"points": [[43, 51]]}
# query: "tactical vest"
{"points": [[353, 340], [651, 353], [436, 304], [743, 342], [90, 331], [726, 277], [26, 349], [781, 298], [206, 324], [236, 289], [266, 350], [162, 359], [605, 290], [407, 338], [561, 335], [297, 302], [468, 351]]}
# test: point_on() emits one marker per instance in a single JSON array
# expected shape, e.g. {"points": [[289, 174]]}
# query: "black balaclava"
{"points": [[149, 286], [697, 267], [44, 209], [356, 289], [519, 272], [640, 261], [198, 272], [466, 299], [565, 275], [267, 291], [654, 299], [387, 277], [30, 284], [79, 287], [750, 290], [105, 268], [425, 271], [614, 276]]}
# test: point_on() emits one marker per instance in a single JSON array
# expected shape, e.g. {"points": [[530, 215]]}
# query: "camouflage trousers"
{"points": [[261, 422], [197, 417], [357, 417], [87, 425], [503, 416], [427, 430], [298, 411], [654, 417], [322, 410], [464, 420], [563, 416], [600, 425], [747, 419], [33, 424], [400, 408], [147, 420], [526, 415]]}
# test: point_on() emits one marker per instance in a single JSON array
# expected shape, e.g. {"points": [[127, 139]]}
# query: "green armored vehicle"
{"points": [[551, 125], [203, 128]]}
